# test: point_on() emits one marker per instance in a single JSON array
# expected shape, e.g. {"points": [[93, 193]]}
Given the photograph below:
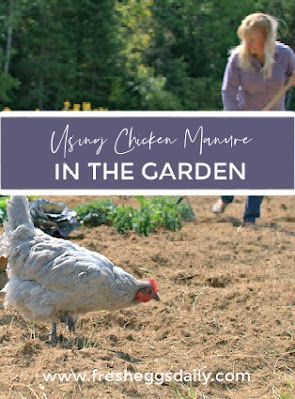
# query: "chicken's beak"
{"points": [[156, 297]]}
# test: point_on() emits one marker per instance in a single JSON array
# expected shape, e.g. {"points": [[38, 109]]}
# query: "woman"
{"points": [[255, 71]]}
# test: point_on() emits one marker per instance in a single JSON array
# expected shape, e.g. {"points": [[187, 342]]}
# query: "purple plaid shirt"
{"points": [[248, 90]]}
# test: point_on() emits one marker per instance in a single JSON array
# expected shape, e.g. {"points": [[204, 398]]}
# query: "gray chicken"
{"points": [[52, 279]]}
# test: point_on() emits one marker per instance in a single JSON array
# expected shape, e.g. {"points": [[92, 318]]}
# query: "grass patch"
{"points": [[183, 392]]}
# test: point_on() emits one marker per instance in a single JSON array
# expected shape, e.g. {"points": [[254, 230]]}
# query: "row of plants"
{"points": [[149, 215]]}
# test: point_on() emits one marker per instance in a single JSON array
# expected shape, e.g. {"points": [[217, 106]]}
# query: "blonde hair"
{"points": [[268, 26]]}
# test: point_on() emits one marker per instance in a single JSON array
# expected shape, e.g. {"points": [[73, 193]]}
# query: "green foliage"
{"points": [[181, 391], [290, 393], [186, 212], [95, 213], [124, 54], [159, 212], [284, 396], [7, 85], [3, 212], [122, 219], [143, 89], [153, 213]]}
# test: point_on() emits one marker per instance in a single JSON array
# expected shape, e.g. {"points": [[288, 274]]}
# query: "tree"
{"points": [[7, 81]]}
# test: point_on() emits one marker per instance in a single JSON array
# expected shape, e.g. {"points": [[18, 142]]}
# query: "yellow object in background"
{"points": [[76, 107], [86, 106], [67, 105]]}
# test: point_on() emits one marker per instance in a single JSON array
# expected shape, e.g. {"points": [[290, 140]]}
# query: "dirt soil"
{"points": [[227, 305]]}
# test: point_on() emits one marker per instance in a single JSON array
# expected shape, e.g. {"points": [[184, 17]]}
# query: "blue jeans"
{"points": [[252, 208]]}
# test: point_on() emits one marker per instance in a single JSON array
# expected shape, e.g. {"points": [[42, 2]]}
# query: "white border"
{"points": [[139, 114], [145, 192]]}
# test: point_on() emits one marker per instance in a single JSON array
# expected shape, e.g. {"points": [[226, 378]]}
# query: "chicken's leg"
{"points": [[53, 336], [70, 322]]}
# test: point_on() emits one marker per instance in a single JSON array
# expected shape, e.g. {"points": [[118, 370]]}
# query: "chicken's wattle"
{"points": [[143, 297]]}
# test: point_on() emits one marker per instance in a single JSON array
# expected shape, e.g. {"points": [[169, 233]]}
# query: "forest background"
{"points": [[123, 55]]}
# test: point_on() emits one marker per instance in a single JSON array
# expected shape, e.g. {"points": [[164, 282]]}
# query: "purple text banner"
{"points": [[147, 151]]}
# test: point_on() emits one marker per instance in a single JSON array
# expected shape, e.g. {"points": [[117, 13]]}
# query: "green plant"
{"points": [[153, 213], [289, 392], [122, 218], [183, 391], [166, 212], [186, 211], [3, 211], [284, 396], [142, 222], [95, 213]]}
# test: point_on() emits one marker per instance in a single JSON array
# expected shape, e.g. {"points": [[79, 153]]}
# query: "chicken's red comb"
{"points": [[153, 284]]}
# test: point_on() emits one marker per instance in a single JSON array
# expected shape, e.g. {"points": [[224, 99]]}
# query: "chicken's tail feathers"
{"points": [[18, 211]]}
